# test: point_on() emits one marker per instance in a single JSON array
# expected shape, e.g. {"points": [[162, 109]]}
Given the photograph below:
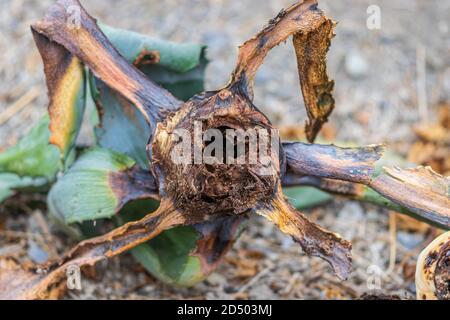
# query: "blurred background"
{"points": [[392, 85]]}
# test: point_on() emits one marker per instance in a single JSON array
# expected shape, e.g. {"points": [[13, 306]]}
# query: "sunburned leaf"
{"points": [[98, 185], [329, 161], [349, 190], [353, 172], [179, 68], [66, 83]]}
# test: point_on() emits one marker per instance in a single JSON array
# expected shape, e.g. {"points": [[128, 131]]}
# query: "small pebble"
{"points": [[356, 65]]}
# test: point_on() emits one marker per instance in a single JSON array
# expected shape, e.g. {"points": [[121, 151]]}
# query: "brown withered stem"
{"points": [[195, 193]]}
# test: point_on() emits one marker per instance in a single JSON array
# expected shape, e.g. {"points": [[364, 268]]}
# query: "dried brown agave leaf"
{"points": [[421, 191], [311, 49], [312, 238], [329, 161], [39, 282], [81, 36], [433, 270], [312, 32]]}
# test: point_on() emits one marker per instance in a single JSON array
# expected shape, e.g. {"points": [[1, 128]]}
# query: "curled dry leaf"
{"points": [[433, 270], [311, 49], [312, 32]]}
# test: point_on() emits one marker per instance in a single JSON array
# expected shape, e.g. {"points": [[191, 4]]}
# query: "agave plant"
{"points": [[139, 86]]}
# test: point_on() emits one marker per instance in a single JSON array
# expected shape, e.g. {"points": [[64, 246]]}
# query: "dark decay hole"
{"points": [[236, 153], [207, 198]]}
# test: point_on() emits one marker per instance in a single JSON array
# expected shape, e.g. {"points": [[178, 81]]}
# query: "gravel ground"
{"points": [[381, 92]]}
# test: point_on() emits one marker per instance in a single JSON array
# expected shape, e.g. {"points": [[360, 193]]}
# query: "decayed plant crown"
{"points": [[192, 194]]}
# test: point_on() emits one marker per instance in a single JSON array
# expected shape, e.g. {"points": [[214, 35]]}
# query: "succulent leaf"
{"points": [[98, 185]]}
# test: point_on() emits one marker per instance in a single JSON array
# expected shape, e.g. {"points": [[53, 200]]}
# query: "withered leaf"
{"points": [[313, 239], [312, 32], [421, 190], [311, 49], [329, 161]]}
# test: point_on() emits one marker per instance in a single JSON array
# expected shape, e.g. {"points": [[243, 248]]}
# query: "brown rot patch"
{"points": [[431, 258], [147, 57], [442, 274]]}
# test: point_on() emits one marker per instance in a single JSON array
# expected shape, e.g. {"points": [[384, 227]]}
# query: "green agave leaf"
{"points": [[123, 128], [10, 183], [97, 186], [180, 69], [168, 257], [175, 59], [306, 197], [32, 156]]}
